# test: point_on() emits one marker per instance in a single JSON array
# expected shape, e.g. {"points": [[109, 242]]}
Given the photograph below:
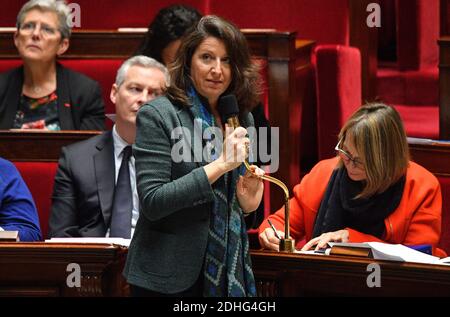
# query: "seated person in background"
{"points": [[162, 42], [17, 209], [85, 199], [42, 94], [370, 192], [164, 33]]}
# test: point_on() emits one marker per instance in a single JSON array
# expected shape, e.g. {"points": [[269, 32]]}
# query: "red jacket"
{"points": [[417, 219]]}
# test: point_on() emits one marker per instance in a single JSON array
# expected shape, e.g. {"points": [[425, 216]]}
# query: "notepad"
{"points": [[380, 251], [9, 236], [118, 241], [386, 251]]}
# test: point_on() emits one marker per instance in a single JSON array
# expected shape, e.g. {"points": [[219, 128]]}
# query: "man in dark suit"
{"points": [[84, 189]]}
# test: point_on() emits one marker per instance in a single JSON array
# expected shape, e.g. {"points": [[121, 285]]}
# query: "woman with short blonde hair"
{"points": [[370, 191], [383, 149]]}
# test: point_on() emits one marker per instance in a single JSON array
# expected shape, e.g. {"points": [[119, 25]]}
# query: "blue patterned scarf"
{"points": [[227, 268]]}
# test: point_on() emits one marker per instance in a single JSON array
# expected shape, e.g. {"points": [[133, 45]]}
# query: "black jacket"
{"points": [[80, 103], [84, 189]]}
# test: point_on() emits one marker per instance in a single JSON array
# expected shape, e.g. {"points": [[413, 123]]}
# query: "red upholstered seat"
{"points": [[408, 87], [7, 64], [421, 121], [325, 21], [415, 94], [102, 70], [39, 177], [338, 86], [411, 84], [417, 33], [136, 13]]}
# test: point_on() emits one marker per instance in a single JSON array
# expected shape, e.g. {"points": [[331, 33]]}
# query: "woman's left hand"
{"points": [[321, 241], [250, 188]]}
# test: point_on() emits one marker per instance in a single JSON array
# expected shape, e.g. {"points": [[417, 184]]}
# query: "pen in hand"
{"points": [[274, 230]]}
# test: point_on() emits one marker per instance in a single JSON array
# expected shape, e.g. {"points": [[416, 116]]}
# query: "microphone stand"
{"points": [[287, 244]]}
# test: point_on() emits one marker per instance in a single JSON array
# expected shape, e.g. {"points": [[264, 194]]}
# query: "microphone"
{"points": [[229, 111]]}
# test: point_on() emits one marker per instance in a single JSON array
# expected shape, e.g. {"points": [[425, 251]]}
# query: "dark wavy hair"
{"points": [[245, 82], [170, 24]]}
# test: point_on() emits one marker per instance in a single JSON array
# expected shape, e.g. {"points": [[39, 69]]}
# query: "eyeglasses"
{"points": [[45, 30], [347, 156]]}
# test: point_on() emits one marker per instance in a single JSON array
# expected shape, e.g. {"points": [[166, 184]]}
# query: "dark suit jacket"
{"points": [[167, 251], [84, 189], [80, 103]]}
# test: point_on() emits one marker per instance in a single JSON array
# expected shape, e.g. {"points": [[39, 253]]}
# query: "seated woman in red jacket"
{"points": [[370, 191]]}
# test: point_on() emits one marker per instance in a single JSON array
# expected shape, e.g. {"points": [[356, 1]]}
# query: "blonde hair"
{"points": [[379, 137]]}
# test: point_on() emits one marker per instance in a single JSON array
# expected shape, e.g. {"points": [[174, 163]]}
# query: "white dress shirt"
{"points": [[119, 145]]}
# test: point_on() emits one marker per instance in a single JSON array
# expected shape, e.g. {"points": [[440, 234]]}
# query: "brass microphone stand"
{"points": [[287, 244]]}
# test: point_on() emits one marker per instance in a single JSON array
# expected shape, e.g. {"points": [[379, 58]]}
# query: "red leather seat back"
{"points": [[39, 177], [338, 87], [325, 21]]}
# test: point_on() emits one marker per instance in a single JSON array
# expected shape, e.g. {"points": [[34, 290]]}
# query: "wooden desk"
{"points": [[40, 269], [38, 146], [281, 275], [435, 157]]}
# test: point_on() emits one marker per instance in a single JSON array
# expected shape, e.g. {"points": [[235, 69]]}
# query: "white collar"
{"points": [[119, 143]]}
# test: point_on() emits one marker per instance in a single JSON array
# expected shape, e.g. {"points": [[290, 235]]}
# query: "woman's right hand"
{"points": [[234, 152], [235, 148], [268, 240]]}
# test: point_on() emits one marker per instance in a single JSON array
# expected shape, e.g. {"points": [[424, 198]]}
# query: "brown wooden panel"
{"points": [[38, 146], [366, 39], [444, 17], [40, 269], [284, 113], [88, 44], [282, 274], [435, 157]]}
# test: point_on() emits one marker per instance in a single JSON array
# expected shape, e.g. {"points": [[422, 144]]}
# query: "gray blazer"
{"points": [[167, 252]]}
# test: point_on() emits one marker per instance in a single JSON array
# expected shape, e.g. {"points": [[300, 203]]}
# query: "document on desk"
{"points": [[118, 241], [393, 252], [379, 251]]}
